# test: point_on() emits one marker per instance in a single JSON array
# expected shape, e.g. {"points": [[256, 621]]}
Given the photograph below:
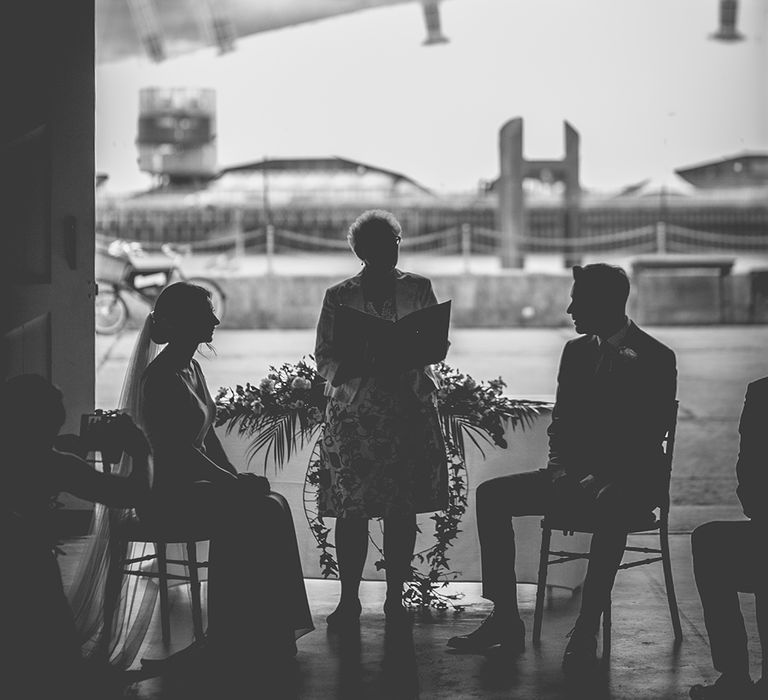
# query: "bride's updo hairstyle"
{"points": [[178, 307]]}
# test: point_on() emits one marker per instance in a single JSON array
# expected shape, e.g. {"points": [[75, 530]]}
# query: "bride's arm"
{"points": [[215, 451], [165, 400]]}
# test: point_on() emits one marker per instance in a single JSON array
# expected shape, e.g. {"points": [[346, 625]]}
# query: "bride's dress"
{"points": [[257, 602]]}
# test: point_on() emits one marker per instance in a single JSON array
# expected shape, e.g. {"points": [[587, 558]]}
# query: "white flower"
{"points": [[267, 385], [628, 354], [301, 383]]}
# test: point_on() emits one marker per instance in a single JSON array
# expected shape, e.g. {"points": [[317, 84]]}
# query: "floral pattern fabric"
{"points": [[383, 454]]}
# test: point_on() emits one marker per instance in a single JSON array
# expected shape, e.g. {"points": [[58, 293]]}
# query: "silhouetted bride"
{"points": [[257, 604]]}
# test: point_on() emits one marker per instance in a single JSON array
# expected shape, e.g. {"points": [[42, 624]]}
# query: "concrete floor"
{"points": [[644, 663]]}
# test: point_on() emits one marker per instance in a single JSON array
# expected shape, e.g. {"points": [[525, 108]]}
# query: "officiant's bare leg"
{"points": [[351, 537], [399, 541], [497, 502]]}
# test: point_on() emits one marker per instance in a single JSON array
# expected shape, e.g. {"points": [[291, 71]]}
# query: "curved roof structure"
{"points": [[164, 28]]}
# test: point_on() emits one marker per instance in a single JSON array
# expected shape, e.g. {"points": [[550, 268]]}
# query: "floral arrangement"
{"points": [[287, 409], [283, 411]]}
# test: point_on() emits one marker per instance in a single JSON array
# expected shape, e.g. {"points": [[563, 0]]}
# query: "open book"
{"points": [[362, 341]]}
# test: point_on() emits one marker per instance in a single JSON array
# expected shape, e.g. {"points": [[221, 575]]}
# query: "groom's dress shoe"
{"points": [[495, 630], [580, 658]]}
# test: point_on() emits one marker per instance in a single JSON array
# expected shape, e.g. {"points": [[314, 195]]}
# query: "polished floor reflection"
{"points": [[389, 663]]}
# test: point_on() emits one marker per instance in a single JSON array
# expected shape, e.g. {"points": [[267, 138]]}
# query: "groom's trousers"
{"points": [[533, 493], [728, 558]]}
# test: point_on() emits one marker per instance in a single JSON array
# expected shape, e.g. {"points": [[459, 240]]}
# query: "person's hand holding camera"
{"points": [[131, 437]]}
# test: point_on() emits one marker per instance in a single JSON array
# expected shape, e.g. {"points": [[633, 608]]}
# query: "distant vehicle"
{"points": [[123, 267]]}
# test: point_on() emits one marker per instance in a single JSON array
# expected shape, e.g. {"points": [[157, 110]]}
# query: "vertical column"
{"points": [[572, 195], [511, 207]]}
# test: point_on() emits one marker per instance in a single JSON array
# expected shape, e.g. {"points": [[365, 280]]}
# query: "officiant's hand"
{"points": [[259, 484]]}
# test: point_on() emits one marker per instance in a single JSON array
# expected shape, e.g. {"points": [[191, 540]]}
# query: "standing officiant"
{"points": [[382, 452]]}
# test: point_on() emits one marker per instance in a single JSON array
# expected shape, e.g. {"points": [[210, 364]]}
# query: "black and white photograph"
{"points": [[384, 349]]}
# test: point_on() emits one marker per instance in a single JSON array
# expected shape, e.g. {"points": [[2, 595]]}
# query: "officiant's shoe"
{"points": [[495, 630], [725, 687], [580, 658], [346, 616]]}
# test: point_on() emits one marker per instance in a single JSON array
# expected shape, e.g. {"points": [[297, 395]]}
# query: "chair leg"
{"points": [[541, 587], [194, 591], [666, 562], [162, 582], [607, 631]]}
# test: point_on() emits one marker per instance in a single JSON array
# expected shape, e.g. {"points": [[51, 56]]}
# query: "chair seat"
{"points": [[641, 523], [136, 529]]}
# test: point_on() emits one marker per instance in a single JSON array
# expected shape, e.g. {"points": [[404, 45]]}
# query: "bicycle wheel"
{"points": [[218, 298], [111, 312]]}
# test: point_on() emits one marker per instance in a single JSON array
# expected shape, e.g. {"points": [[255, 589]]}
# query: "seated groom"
{"points": [[729, 557], [615, 389]]}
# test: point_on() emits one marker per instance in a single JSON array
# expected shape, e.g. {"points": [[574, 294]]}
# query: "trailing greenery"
{"points": [[286, 410]]}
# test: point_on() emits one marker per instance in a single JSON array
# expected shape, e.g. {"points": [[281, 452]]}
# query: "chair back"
{"points": [[668, 445]]}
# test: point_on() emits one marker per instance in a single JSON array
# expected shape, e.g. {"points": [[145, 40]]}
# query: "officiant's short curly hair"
{"points": [[372, 224], [610, 281]]}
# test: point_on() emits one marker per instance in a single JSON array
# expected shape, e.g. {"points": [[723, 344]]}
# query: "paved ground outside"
{"points": [[714, 363]]}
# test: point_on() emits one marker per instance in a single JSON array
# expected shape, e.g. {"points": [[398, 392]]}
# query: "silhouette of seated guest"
{"points": [[615, 389], [41, 651], [257, 603], [729, 557]]}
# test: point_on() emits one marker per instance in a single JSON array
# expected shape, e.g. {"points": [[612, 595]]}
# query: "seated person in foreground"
{"points": [[41, 655], [615, 392], [730, 557]]}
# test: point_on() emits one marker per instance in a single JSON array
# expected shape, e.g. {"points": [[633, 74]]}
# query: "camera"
{"points": [[100, 431]]}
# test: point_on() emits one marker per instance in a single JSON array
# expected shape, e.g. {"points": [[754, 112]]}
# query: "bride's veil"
{"points": [[130, 598]]}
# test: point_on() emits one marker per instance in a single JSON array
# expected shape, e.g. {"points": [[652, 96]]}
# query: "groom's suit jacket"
{"points": [[412, 292], [612, 410]]}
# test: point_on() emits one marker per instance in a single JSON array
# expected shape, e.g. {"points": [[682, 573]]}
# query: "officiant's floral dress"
{"points": [[382, 454]]}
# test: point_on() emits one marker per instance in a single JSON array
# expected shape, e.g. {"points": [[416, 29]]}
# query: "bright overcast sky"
{"points": [[639, 79]]}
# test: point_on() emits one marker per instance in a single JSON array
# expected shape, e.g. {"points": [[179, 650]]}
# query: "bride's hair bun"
{"points": [[160, 331]]}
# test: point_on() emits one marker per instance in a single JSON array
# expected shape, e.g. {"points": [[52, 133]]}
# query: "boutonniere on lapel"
{"points": [[627, 354]]}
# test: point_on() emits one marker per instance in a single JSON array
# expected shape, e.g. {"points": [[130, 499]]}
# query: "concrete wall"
{"points": [[510, 299]]}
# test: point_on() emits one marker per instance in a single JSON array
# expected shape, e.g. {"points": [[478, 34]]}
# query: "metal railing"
{"points": [[467, 234]]}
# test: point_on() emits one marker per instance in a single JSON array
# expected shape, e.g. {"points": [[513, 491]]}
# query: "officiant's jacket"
{"points": [[613, 407], [412, 292]]}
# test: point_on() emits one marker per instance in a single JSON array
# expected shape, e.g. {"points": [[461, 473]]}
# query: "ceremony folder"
{"points": [[415, 340]]}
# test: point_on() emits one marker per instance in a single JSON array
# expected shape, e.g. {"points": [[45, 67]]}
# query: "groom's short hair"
{"points": [[606, 280]]}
